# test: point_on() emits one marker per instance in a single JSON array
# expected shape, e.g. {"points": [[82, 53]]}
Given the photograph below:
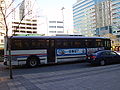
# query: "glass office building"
{"points": [[84, 17], [116, 17], [96, 17]]}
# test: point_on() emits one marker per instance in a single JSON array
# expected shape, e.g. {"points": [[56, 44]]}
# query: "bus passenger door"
{"points": [[51, 52]]}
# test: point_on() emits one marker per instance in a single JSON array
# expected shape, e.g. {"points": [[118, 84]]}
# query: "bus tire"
{"points": [[32, 61]]}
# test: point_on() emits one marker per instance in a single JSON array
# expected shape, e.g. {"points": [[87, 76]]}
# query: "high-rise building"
{"points": [[103, 17], [84, 17], [96, 17], [116, 17]]}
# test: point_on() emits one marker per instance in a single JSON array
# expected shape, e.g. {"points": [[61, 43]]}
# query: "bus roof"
{"points": [[58, 37]]}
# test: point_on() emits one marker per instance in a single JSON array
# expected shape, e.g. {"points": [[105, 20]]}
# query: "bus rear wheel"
{"points": [[32, 61]]}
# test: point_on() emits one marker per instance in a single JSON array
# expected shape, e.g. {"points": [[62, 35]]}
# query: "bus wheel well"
{"points": [[33, 61]]}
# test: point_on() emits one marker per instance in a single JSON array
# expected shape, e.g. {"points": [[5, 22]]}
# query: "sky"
{"points": [[53, 8], [55, 3]]}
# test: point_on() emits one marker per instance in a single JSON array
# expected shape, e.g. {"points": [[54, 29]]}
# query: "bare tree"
{"points": [[3, 10], [5, 15]]}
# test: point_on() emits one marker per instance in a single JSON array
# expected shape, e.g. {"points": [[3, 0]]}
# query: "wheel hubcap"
{"points": [[33, 63], [102, 62]]}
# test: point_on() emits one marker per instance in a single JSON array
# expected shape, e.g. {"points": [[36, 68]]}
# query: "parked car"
{"points": [[103, 57]]}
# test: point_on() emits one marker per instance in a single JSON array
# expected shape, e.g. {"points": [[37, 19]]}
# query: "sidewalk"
{"points": [[3, 78], [1, 66]]}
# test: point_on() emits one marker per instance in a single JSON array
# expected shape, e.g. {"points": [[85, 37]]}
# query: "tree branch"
{"points": [[13, 9], [4, 20], [10, 4], [24, 17]]}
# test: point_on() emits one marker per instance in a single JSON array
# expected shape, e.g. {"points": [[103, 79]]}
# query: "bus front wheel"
{"points": [[32, 61]]}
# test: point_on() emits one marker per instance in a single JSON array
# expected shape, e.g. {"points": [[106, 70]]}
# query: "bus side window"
{"points": [[107, 43], [89, 43], [99, 43], [64, 43], [26, 44], [77, 43], [67, 43], [36, 44], [33, 44], [42, 44], [59, 43], [16, 45]]}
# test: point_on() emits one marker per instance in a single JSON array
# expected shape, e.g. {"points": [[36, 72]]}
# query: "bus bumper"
{"points": [[5, 62]]}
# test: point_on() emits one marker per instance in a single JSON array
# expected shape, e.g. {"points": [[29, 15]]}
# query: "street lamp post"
{"points": [[63, 17]]}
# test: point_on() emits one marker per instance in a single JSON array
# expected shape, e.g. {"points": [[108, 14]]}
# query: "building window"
{"points": [[59, 21], [34, 20], [28, 24], [22, 27], [34, 28], [34, 31], [52, 26], [22, 31], [52, 31], [59, 31], [59, 26], [52, 21], [34, 24], [28, 27], [29, 31]]}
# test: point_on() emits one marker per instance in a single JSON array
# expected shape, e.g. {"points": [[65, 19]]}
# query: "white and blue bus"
{"points": [[35, 50]]}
